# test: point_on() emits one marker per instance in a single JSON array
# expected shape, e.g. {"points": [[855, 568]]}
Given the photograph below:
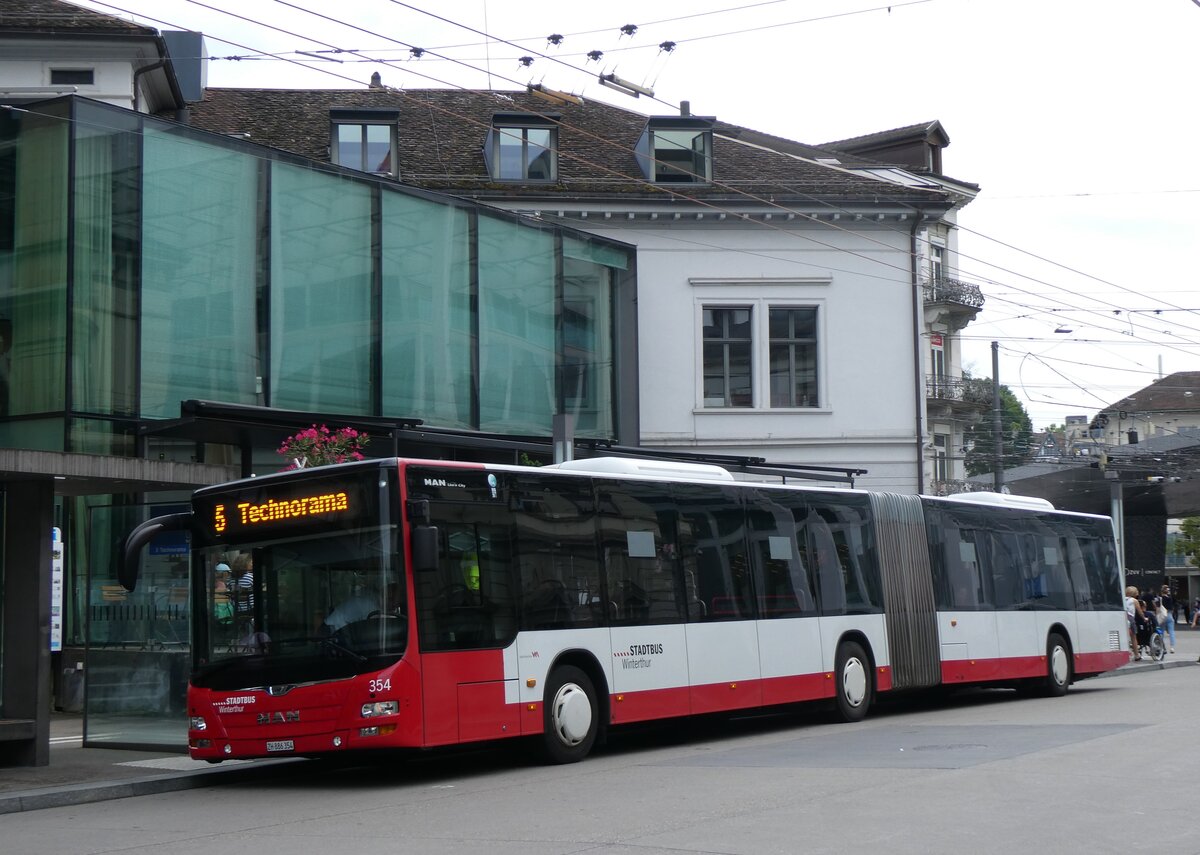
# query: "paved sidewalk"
{"points": [[78, 775]]}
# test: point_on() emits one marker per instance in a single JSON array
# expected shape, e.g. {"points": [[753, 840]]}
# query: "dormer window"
{"points": [[364, 140], [676, 150], [522, 147]]}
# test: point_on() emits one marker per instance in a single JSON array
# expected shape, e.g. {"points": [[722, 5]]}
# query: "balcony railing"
{"points": [[943, 289], [966, 389]]}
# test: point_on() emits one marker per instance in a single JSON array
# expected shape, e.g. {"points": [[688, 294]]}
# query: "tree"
{"points": [[1016, 431]]}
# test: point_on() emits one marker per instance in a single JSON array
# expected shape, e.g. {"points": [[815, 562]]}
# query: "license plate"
{"points": [[282, 745]]}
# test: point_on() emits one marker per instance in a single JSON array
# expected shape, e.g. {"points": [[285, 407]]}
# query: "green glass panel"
{"points": [[598, 253], [320, 291], [587, 359], [198, 274], [93, 436], [427, 330], [33, 262], [516, 327], [34, 434], [104, 298]]}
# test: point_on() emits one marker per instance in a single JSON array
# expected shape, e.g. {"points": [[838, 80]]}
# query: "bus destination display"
{"points": [[271, 511], [281, 508]]}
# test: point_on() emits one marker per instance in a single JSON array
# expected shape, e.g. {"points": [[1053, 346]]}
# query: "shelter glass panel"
{"points": [[138, 647]]}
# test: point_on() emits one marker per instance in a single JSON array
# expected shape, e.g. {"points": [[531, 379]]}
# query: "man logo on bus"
{"points": [[278, 717]]}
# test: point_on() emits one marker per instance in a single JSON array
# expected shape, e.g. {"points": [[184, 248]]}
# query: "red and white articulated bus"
{"points": [[412, 603]]}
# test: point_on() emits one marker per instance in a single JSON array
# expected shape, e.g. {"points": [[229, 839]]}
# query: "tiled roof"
{"points": [[442, 134], [1178, 391], [56, 17]]}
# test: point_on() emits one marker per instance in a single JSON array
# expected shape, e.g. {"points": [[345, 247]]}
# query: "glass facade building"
{"points": [[144, 263]]}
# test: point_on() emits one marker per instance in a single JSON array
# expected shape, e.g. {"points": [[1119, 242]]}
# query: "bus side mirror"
{"points": [[424, 548], [131, 549]]}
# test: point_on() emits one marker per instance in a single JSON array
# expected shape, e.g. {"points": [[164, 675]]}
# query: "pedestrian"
{"points": [[1168, 620], [1132, 607], [1195, 612]]}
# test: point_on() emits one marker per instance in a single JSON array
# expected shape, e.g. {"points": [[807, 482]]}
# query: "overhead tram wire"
{"points": [[483, 125], [1072, 269], [575, 68], [642, 24], [603, 140], [352, 79], [1055, 316], [517, 83], [635, 179], [259, 23], [515, 43], [486, 35], [759, 199]]}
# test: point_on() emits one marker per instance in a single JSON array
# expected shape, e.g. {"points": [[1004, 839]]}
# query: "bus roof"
{"points": [[1002, 500], [637, 466]]}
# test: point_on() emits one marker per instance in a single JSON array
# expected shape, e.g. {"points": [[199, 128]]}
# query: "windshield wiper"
{"points": [[331, 642]]}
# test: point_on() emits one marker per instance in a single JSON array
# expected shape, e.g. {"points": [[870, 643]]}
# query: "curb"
{"points": [[1147, 666], [82, 794]]}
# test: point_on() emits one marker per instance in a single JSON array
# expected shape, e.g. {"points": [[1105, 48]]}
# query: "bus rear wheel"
{"points": [[571, 716], [852, 671]]}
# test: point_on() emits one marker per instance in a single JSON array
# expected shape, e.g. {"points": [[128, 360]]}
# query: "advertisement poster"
{"points": [[56, 589]]}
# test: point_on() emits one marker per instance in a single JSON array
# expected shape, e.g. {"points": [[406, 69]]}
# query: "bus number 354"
{"points": [[384, 685]]}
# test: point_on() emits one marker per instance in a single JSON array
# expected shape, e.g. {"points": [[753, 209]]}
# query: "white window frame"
{"points": [[727, 297], [942, 467], [390, 123], [501, 129], [937, 260]]}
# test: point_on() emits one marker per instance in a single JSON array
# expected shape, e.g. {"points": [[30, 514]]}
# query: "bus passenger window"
{"points": [[637, 535], [779, 574]]}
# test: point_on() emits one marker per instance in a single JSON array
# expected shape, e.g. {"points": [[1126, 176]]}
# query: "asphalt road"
{"points": [[1105, 769]]}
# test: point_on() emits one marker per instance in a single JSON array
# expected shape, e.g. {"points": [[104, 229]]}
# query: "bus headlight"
{"points": [[197, 722], [377, 708]]}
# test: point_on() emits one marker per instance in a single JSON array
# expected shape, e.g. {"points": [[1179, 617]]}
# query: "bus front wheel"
{"points": [[1058, 666], [852, 671], [571, 716]]}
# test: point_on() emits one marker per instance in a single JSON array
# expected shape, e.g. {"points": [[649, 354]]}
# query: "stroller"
{"points": [[1150, 639]]}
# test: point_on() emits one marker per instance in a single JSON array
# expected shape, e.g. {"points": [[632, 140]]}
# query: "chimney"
{"points": [[685, 108], [376, 81]]}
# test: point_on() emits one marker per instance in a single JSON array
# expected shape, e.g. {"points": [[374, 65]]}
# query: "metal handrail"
{"points": [[944, 289]]}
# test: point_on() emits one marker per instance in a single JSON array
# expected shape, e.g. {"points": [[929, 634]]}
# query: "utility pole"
{"points": [[998, 437]]}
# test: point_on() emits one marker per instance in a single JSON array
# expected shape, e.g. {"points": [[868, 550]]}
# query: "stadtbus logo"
{"points": [[638, 655]]}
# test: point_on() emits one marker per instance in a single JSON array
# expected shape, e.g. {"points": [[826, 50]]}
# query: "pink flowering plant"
{"points": [[320, 446]]}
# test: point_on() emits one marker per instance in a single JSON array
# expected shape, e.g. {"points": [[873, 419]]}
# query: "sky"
{"points": [[1077, 119]]}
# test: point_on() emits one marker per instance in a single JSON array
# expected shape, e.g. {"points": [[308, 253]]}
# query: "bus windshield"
{"points": [[299, 609]]}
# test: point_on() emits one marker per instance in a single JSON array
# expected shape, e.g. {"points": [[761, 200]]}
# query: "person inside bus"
{"points": [[364, 603], [469, 566], [222, 605], [242, 587]]}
